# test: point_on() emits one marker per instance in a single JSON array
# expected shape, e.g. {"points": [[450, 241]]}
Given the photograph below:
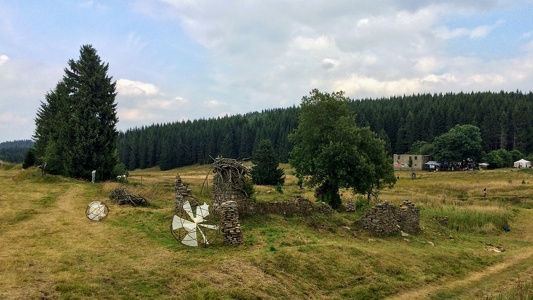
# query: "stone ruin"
{"points": [[297, 206], [409, 217], [384, 219], [229, 223]]}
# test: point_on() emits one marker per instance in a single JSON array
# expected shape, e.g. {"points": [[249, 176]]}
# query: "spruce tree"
{"points": [[77, 123], [265, 170], [29, 158]]}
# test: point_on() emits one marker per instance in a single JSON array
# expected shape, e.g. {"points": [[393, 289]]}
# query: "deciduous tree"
{"points": [[331, 152], [461, 142]]}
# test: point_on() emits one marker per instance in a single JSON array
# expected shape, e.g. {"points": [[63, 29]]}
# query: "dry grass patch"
{"points": [[60, 254]]}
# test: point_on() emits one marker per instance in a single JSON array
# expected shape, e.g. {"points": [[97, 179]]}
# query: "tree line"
{"points": [[14, 151], [197, 142], [402, 122]]}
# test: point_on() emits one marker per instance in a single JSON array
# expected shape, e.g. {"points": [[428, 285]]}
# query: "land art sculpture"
{"points": [[186, 225], [96, 211]]}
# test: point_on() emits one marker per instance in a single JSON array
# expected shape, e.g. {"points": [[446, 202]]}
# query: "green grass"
{"points": [[132, 255], [473, 219]]}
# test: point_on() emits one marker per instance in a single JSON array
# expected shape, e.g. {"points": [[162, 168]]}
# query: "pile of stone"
{"points": [[324, 208], [183, 193], [350, 206], [122, 196], [409, 217], [229, 223]]}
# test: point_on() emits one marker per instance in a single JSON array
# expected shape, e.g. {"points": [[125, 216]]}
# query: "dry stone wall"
{"points": [[296, 206], [409, 217], [381, 219], [385, 219]]}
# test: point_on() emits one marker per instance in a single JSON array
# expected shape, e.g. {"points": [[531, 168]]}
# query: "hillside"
{"points": [[504, 120], [14, 151], [50, 250]]}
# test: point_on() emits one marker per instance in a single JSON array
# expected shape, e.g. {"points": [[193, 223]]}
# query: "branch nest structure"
{"points": [[229, 182], [122, 196], [229, 173]]}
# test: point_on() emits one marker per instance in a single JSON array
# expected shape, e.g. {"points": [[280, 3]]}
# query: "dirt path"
{"points": [[49, 236], [490, 274]]}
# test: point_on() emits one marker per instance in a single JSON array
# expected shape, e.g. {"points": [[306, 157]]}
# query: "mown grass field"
{"points": [[50, 250]]}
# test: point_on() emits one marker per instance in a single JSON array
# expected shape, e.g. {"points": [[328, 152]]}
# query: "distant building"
{"points": [[401, 161]]}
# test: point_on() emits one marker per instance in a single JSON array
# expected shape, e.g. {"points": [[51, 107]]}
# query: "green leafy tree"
{"points": [[499, 158], [331, 152], [461, 142], [76, 126], [265, 170]]}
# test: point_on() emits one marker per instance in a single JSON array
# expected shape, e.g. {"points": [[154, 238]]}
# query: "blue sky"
{"points": [[177, 60]]}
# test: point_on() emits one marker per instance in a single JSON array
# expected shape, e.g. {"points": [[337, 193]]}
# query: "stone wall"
{"points": [[381, 219], [385, 219], [409, 217], [296, 206]]}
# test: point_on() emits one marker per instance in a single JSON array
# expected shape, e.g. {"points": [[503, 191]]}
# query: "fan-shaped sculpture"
{"points": [[186, 224], [96, 211]]}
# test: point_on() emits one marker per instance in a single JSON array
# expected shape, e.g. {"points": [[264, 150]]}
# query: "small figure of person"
{"points": [[485, 193]]}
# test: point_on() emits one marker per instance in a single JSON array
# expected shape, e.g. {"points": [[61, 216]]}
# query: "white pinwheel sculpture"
{"points": [[96, 211], [186, 230]]}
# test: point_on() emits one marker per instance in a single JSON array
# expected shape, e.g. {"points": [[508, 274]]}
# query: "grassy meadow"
{"points": [[50, 250]]}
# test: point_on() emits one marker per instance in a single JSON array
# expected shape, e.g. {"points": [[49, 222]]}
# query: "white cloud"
{"points": [[3, 59], [428, 64], [136, 114], [213, 104], [357, 84], [444, 78], [486, 79], [128, 87], [474, 33]]}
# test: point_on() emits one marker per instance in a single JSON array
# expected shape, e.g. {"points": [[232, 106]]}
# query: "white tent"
{"points": [[522, 164]]}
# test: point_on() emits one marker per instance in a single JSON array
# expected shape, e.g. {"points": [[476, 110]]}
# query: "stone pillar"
{"points": [[230, 226], [178, 195]]}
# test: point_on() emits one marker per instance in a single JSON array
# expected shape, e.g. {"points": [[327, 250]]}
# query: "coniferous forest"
{"points": [[504, 119], [14, 151]]}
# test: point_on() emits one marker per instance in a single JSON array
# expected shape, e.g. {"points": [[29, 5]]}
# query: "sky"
{"points": [[177, 60]]}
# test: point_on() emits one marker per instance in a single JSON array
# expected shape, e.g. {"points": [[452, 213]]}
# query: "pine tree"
{"points": [[29, 158], [265, 170]]}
